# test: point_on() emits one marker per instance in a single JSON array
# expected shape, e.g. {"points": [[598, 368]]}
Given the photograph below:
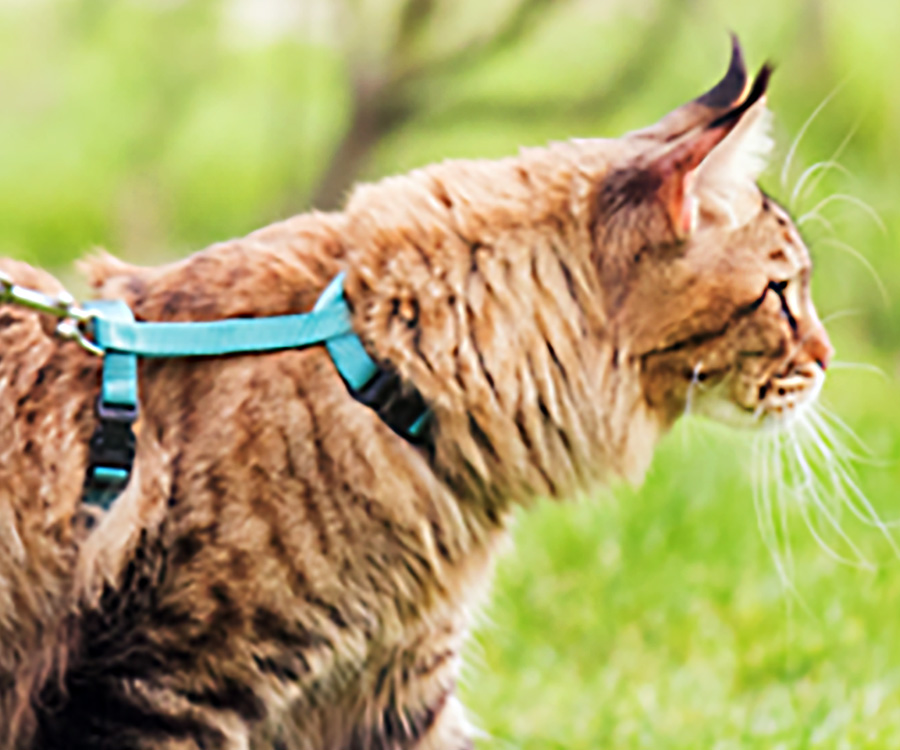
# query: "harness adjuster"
{"points": [[401, 408], [111, 452]]}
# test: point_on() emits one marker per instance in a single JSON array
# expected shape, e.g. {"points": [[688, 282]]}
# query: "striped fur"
{"points": [[284, 571]]}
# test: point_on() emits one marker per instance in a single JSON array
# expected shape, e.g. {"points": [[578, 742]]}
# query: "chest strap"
{"points": [[112, 447], [123, 341]]}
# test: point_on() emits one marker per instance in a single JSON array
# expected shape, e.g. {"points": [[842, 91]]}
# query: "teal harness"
{"points": [[121, 340]]}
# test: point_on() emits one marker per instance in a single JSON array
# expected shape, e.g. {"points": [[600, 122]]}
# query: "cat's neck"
{"points": [[475, 280]]}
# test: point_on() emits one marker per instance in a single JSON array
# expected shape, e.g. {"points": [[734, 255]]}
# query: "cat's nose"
{"points": [[818, 348]]}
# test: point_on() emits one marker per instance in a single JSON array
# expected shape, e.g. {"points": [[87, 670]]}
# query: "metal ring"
{"points": [[80, 314], [70, 329]]}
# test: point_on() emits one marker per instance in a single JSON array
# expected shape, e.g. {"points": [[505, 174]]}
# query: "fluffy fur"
{"points": [[284, 570]]}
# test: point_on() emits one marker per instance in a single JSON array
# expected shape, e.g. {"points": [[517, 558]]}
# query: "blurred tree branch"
{"points": [[605, 94], [388, 94], [384, 101], [515, 27]]}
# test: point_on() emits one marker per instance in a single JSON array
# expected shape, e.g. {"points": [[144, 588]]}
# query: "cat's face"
{"points": [[737, 337], [710, 277]]}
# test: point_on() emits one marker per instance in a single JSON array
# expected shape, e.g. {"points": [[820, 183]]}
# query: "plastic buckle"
{"points": [[111, 452], [400, 407], [125, 413]]}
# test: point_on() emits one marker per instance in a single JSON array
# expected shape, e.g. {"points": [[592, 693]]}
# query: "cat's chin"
{"points": [[731, 415], [765, 417], [757, 420], [786, 401]]}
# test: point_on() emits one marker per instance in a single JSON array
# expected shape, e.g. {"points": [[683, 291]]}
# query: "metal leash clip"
{"points": [[74, 321]]}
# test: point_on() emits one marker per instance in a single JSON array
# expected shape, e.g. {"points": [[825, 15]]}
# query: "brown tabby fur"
{"points": [[284, 570]]}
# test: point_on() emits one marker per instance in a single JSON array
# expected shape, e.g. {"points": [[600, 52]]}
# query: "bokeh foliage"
{"points": [[648, 617]]}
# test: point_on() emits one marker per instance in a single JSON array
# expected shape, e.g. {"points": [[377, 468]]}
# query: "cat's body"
{"points": [[284, 570]]}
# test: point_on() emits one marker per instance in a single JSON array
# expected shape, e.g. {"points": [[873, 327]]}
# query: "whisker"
{"points": [[810, 482], [819, 483], [784, 528], [832, 451], [863, 366], [813, 216], [792, 151], [873, 518], [839, 150], [759, 489], [689, 403], [837, 315], [853, 201], [842, 480], [784, 565], [819, 166], [828, 414], [844, 458], [801, 504], [848, 248], [758, 411], [826, 431], [762, 505], [695, 380], [858, 564]]}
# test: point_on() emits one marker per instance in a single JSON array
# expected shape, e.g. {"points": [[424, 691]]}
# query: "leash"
{"points": [[107, 329]]}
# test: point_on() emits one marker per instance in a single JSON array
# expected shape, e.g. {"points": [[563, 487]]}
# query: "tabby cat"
{"points": [[286, 571]]}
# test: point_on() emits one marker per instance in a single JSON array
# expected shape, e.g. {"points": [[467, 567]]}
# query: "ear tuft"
{"points": [[718, 102], [731, 88]]}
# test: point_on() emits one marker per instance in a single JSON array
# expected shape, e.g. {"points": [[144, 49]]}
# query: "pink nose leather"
{"points": [[818, 348]]}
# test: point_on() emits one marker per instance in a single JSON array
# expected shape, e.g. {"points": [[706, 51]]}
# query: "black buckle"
{"points": [[111, 452], [400, 406]]}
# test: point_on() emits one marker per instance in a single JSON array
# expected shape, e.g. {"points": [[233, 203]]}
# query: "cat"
{"points": [[285, 570]]}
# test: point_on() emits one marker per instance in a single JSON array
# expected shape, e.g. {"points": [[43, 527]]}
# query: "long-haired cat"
{"points": [[285, 570]]}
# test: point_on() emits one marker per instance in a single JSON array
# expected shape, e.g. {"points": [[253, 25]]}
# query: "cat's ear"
{"points": [[715, 163]]}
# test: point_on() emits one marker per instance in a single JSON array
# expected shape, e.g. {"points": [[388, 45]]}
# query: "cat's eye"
{"points": [[789, 295], [793, 295]]}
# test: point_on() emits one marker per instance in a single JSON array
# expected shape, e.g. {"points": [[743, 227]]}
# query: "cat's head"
{"points": [[706, 278]]}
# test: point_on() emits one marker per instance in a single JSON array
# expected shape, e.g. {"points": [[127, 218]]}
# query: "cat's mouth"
{"points": [[785, 397], [777, 403]]}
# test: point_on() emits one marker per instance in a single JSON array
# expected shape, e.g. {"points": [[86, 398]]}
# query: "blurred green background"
{"points": [[643, 618]]}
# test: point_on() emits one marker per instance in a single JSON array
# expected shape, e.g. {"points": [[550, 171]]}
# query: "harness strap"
{"points": [[347, 352], [402, 408], [123, 340], [233, 336], [112, 447]]}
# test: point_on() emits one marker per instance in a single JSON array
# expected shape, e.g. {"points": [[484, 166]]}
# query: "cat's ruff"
{"points": [[107, 328]]}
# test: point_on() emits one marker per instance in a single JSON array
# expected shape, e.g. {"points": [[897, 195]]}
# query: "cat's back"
{"points": [[278, 542]]}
